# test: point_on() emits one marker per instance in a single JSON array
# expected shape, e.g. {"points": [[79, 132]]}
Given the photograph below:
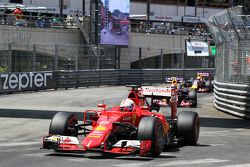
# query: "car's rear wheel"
{"points": [[63, 124], [188, 128], [151, 128], [193, 97], [208, 84]]}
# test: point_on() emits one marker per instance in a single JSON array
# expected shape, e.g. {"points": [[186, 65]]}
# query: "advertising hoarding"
{"points": [[27, 81], [197, 48], [115, 22]]}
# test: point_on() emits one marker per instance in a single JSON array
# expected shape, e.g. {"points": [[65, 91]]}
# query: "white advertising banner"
{"points": [[197, 48]]}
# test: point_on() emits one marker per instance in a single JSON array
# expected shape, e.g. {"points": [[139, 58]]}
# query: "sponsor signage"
{"points": [[185, 19], [157, 91], [192, 19], [197, 48], [11, 82], [165, 18]]}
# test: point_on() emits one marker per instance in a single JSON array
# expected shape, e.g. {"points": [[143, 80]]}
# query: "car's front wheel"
{"points": [[151, 128], [63, 124]]}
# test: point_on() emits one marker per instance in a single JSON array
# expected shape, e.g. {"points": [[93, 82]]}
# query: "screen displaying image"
{"points": [[114, 22], [197, 48]]}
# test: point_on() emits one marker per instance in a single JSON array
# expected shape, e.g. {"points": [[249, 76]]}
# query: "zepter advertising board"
{"points": [[27, 81], [197, 48], [114, 22]]}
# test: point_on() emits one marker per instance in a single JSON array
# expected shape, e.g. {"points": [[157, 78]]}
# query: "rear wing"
{"points": [[177, 79], [159, 92], [203, 74]]}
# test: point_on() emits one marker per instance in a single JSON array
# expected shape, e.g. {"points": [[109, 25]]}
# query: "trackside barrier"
{"points": [[33, 81], [232, 98], [86, 78]]}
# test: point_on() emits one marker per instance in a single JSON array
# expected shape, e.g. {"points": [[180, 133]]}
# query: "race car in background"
{"points": [[202, 83], [187, 97], [131, 128]]}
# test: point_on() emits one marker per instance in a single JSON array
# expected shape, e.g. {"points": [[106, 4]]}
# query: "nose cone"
{"points": [[95, 138], [92, 141]]}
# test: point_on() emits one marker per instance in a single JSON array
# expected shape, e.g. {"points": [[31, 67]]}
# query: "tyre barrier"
{"points": [[232, 98]]}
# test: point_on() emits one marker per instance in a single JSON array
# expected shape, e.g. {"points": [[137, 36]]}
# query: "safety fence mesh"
{"points": [[230, 31]]}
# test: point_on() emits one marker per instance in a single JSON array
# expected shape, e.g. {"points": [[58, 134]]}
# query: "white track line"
{"points": [[193, 162]]}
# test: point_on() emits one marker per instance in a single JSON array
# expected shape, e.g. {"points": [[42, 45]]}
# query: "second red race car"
{"points": [[131, 128]]}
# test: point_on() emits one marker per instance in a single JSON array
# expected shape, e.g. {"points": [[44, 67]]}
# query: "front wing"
{"points": [[72, 144]]}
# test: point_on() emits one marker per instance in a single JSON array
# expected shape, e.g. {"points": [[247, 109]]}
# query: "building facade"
{"points": [[145, 49]]}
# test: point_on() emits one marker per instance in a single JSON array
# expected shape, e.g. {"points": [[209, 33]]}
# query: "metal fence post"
{"points": [[10, 64], [34, 68], [76, 58], [161, 59], [183, 59], [56, 58], [140, 63], [98, 63]]}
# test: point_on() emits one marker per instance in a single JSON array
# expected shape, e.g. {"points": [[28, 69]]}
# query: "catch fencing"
{"points": [[230, 30]]}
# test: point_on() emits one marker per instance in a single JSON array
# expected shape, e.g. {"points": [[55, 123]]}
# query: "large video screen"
{"points": [[114, 22], [197, 48]]}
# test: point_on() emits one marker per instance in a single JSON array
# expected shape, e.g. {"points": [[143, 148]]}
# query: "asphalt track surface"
{"points": [[25, 118]]}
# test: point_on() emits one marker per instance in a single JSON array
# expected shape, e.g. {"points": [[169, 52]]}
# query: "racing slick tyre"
{"points": [[188, 128], [208, 84], [63, 124], [193, 97], [151, 128]]}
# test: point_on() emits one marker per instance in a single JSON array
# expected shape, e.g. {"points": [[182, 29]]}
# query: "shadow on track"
{"points": [[34, 114], [224, 123], [109, 156]]}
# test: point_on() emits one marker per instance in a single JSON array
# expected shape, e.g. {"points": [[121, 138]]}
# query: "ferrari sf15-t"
{"points": [[131, 128]]}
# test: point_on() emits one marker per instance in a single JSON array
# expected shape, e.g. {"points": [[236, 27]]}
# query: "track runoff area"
{"points": [[25, 119]]}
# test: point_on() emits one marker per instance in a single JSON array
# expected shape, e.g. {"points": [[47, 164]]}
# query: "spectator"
{"points": [[18, 15], [40, 20]]}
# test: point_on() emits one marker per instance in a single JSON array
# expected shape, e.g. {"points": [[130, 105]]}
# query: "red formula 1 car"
{"points": [[131, 128]]}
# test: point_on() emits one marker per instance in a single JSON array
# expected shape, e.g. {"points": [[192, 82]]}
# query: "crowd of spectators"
{"points": [[171, 28], [18, 17]]}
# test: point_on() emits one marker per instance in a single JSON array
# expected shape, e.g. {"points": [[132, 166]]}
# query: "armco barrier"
{"points": [[74, 79], [232, 98], [33, 81]]}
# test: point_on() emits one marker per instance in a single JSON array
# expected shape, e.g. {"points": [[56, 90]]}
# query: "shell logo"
{"points": [[101, 128], [94, 136]]}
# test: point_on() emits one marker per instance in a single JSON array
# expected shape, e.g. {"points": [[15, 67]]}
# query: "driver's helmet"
{"points": [[198, 78], [127, 105]]}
